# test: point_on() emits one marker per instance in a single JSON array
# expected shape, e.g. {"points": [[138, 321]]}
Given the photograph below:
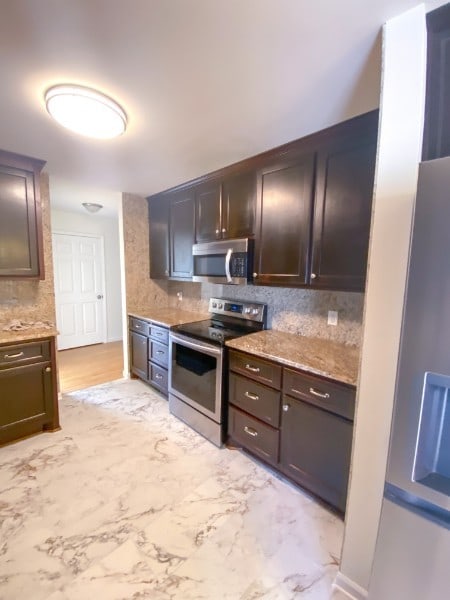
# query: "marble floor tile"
{"points": [[127, 502]]}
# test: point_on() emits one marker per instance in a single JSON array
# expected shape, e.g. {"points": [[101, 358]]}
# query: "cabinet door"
{"points": [[238, 205], [26, 400], [20, 226], [182, 231], [315, 449], [158, 215], [284, 220], [208, 212], [343, 203], [139, 355]]}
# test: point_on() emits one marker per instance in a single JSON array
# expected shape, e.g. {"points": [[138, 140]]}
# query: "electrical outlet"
{"points": [[332, 317], [180, 296]]}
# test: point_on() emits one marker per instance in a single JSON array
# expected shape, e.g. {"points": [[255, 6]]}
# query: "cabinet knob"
{"points": [[224, 230], [166, 272], [48, 369], [255, 275], [99, 296], [217, 231], [313, 275], [286, 407]]}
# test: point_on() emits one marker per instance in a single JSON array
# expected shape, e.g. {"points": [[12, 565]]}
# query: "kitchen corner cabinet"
{"points": [[226, 209], [298, 423], [285, 192], [21, 245], [149, 353], [28, 396], [158, 215], [182, 233]]}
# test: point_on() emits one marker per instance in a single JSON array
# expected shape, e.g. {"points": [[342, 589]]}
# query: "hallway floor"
{"points": [[126, 502]]}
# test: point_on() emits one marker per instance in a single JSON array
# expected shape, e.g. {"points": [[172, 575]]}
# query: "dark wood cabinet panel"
{"points": [[285, 194], [436, 140], [315, 448], [238, 205], [256, 368], [182, 233], [208, 212], [158, 214], [20, 217], [139, 355], [255, 436], [342, 211], [256, 399], [28, 398]]}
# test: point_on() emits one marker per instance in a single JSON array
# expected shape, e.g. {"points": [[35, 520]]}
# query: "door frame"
{"points": [[103, 275]]}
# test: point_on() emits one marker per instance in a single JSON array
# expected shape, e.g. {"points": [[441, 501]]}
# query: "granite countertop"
{"points": [[169, 317], [317, 356], [32, 333]]}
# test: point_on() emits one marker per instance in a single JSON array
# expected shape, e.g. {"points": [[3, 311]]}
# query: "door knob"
{"points": [[99, 296]]}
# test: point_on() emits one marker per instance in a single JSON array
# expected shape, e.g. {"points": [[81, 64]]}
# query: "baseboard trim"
{"points": [[348, 587], [114, 339]]}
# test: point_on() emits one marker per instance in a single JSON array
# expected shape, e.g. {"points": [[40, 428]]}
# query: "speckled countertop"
{"points": [[33, 333], [320, 357], [169, 317]]}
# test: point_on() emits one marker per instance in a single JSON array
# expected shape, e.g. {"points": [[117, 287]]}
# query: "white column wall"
{"points": [[399, 152]]}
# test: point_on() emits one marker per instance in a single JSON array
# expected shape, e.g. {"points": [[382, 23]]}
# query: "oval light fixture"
{"points": [[92, 207], [85, 111]]}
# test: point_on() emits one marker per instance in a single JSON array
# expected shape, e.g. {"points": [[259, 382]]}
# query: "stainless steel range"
{"points": [[198, 363]]}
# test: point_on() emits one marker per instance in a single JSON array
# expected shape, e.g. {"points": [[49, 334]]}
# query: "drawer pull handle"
{"points": [[314, 392], [251, 396], [137, 326], [250, 431], [160, 333], [158, 376], [17, 355], [160, 352], [252, 369]]}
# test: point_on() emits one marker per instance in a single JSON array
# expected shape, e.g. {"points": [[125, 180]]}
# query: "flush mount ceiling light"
{"points": [[85, 111], [92, 207]]}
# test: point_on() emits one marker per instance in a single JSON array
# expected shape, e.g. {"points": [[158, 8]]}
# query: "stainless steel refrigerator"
{"points": [[412, 558]]}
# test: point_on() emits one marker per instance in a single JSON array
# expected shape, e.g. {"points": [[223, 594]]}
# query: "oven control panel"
{"points": [[251, 311]]}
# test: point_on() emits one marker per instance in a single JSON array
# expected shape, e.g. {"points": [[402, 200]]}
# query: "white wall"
{"points": [[399, 151], [108, 228]]}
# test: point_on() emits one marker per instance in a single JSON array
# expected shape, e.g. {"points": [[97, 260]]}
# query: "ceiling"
{"points": [[205, 83]]}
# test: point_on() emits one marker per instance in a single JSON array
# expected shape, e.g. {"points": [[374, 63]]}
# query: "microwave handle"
{"points": [[227, 265]]}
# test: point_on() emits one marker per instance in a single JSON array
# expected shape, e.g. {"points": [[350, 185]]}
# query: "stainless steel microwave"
{"points": [[225, 261]]}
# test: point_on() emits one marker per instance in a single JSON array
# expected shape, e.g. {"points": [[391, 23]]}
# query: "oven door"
{"points": [[196, 374]]}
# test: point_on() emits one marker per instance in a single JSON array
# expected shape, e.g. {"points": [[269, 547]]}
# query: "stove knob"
{"points": [[255, 311], [214, 304], [247, 311], [220, 305]]}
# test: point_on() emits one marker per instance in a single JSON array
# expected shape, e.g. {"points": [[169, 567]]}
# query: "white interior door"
{"points": [[79, 293]]}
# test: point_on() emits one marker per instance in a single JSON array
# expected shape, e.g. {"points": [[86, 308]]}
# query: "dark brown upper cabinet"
{"points": [[21, 245], [208, 211], [182, 233], [343, 205], [436, 139], [285, 192], [158, 214], [226, 209]]}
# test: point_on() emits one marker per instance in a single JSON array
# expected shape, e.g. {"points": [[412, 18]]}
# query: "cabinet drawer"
{"points": [[256, 368], [259, 438], [159, 333], [159, 353], [158, 377], [256, 399], [331, 396], [139, 326], [20, 354]]}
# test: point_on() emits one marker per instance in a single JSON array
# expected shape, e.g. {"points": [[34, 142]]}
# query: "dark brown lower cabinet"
{"points": [[299, 423], [28, 397], [315, 449], [139, 355]]}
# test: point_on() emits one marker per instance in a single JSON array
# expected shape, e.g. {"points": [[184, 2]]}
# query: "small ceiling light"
{"points": [[92, 207], [86, 111]]}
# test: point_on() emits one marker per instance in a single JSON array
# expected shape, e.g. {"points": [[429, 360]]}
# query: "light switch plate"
{"points": [[332, 317]]}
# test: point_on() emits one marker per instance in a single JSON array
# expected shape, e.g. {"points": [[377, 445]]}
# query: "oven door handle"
{"points": [[211, 350], [227, 265]]}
